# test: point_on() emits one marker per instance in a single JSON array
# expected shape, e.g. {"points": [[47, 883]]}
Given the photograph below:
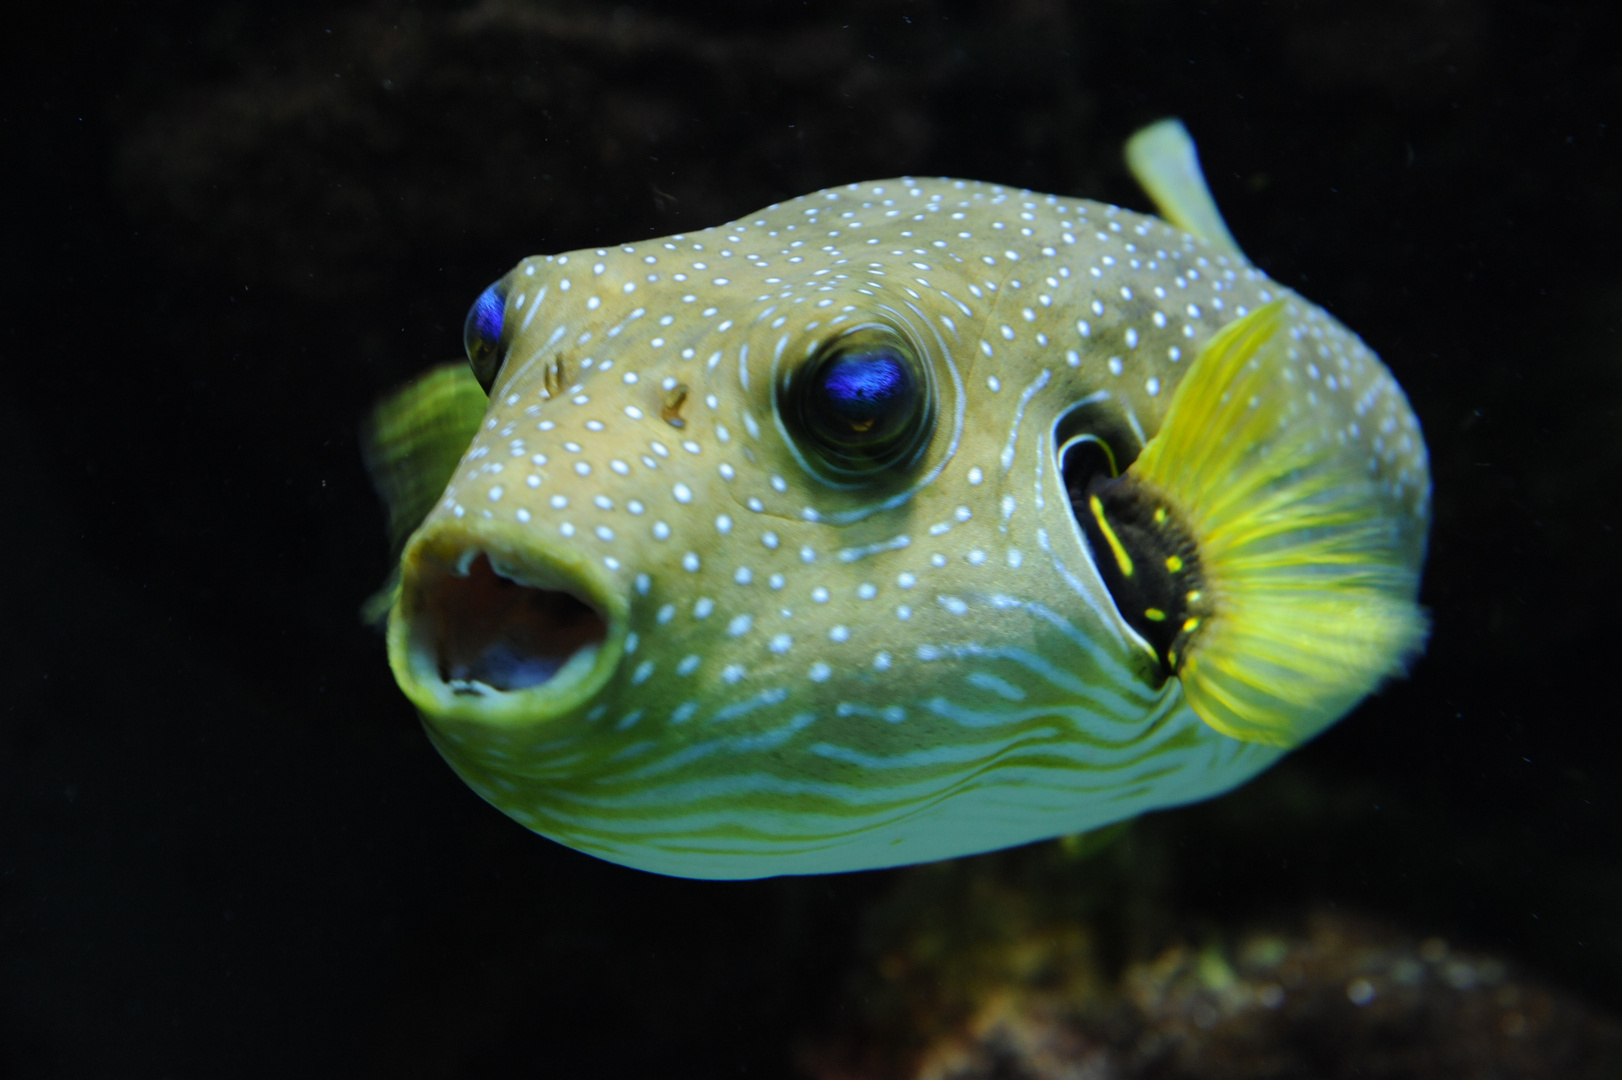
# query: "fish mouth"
{"points": [[486, 628]]}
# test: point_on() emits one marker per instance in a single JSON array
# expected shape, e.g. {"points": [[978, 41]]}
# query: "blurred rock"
{"points": [[999, 969]]}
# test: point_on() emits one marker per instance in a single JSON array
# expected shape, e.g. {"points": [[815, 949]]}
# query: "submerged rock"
{"points": [[980, 976]]}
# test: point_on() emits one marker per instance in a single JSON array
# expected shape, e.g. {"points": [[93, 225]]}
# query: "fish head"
{"points": [[779, 459]]}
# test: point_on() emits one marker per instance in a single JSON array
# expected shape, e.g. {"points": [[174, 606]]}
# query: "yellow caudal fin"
{"points": [[1165, 164], [412, 442], [1296, 574]]}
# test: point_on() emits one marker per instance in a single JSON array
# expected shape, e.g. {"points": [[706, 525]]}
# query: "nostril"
{"points": [[490, 632]]}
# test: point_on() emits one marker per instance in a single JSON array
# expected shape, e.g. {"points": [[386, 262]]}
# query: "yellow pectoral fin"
{"points": [[1165, 164], [1310, 585], [412, 442]]}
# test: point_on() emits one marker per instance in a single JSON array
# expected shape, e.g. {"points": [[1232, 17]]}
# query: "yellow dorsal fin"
{"points": [[1312, 581], [1165, 164], [412, 442]]}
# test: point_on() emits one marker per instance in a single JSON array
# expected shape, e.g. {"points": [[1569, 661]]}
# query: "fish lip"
{"points": [[446, 549]]}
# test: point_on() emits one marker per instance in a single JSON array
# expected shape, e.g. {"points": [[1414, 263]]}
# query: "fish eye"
{"points": [[481, 334], [862, 401]]}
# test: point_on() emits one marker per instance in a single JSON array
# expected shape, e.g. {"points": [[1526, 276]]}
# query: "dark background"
{"points": [[226, 847]]}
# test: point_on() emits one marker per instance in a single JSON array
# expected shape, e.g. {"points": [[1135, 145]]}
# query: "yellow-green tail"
{"points": [[1307, 573]]}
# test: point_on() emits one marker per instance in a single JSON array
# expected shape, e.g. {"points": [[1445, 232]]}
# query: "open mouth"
{"points": [[475, 629], [494, 633]]}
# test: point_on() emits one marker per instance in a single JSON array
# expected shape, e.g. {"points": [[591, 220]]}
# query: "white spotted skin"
{"points": [[825, 679]]}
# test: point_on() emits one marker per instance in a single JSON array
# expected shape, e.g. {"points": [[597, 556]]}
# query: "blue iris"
{"points": [[862, 398], [481, 333]]}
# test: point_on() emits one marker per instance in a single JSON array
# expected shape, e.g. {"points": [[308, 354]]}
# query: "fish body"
{"points": [[899, 521]]}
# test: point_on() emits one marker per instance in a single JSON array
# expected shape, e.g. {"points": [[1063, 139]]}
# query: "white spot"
{"points": [[781, 643], [723, 524], [819, 672], [732, 673], [688, 665], [743, 575], [690, 563], [739, 625], [683, 493]]}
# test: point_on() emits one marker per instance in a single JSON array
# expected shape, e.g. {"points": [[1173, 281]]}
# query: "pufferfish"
{"points": [[901, 521]]}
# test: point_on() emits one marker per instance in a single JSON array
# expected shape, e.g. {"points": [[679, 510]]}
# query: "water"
{"points": [[226, 846]]}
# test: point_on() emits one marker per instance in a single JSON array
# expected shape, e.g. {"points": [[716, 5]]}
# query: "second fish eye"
{"points": [[481, 334]]}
